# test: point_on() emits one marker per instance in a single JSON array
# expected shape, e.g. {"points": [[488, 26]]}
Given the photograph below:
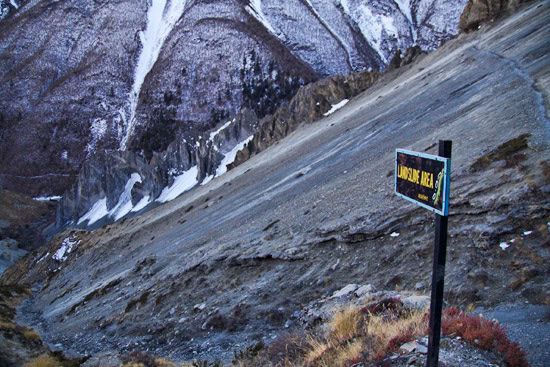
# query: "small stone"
{"points": [[421, 349], [408, 348], [419, 286], [199, 307], [345, 291], [364, 289], [412, 360]]}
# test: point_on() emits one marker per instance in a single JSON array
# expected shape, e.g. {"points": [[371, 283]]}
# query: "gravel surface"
{"points": [[529, 325]]}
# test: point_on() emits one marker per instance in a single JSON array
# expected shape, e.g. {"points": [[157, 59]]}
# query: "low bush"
{"points": [[30, 334], [483, 333]]}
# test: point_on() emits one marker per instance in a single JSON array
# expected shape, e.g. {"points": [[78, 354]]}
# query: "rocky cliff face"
{"points": [[111, 186], [80, 77]]}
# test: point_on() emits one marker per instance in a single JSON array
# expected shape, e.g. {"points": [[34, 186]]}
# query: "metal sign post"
{"points": [[425, 180], [438, 274]]}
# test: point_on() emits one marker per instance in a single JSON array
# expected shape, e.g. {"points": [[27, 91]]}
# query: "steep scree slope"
{"points": [[232, 261]]}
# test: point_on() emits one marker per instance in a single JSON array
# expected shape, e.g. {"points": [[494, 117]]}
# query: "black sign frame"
{"points": [[444, 182]]}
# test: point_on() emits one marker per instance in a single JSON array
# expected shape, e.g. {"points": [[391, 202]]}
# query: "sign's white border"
{"points": [[446, 181]]}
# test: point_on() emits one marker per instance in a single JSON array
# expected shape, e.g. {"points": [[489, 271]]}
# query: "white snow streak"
{"points": [[405, 7], [225, 126], [47, 198], [98, 211], [336, 107], [184, 182], [255, 9], [14, 4], [161, 18], [124, 205], [231, 155], [43, 258], [207, 179], [142, 204], [98, 128], [504, 245]]}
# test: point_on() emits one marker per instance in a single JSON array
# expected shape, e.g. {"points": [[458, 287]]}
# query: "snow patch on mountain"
{"points": [[231, 155], [223, 127], [146, 200], [182, 183], [162, 16], [66, 247], [124, 205], [255, 9], [374, 27], [96, 212], [98, 128], [405, 7], [336, 107], [47, 198]]}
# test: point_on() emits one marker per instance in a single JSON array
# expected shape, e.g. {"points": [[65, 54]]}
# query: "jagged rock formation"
{"points": [[112, 185], [80, 76], [310, 104]]}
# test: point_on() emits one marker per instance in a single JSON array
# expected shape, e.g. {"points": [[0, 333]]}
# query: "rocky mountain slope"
{"points": [[238, 259], [79, 77]]}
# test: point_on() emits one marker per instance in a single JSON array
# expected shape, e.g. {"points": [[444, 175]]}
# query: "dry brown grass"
{"points": [[386, 333], [345, 324], [7, 325], [353, 335], [43, 360], [30, 334]]}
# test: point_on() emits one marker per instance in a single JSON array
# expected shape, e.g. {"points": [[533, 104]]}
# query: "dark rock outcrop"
{"points": [[309, 105], [480, 11]]}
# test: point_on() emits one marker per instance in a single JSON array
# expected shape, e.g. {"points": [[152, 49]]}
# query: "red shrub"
{"points": [[399, 340], [483, 333]]}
